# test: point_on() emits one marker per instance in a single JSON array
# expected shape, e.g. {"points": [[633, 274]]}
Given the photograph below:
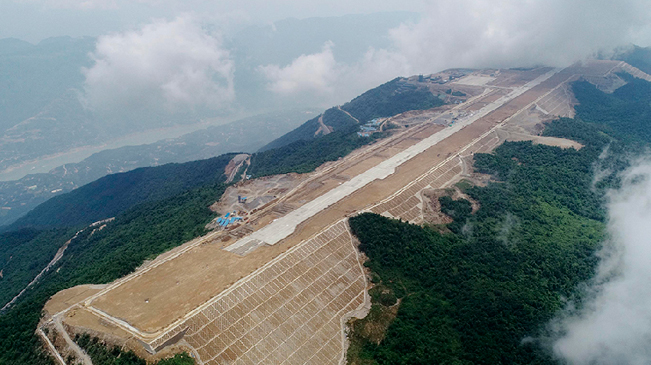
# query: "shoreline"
{"points": [[75, 155]]}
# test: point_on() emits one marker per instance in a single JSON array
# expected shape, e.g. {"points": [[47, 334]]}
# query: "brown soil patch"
{"points": [[68, 297], [181, 285], [549, 141], [432, 210], [234, 163], [85, 320], [485, 100]]}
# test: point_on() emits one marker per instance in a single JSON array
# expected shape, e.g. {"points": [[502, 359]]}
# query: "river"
{"points": [[75, 155]]}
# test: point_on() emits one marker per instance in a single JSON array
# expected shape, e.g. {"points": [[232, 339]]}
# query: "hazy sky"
{"points": [[34, 20], [176, 53]]}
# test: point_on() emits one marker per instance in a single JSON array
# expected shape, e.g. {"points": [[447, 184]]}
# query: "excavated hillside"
{"points": [[278, 284]]}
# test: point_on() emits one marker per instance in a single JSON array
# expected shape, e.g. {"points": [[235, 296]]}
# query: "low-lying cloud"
{"points": [[327, 81], [166, 64], [312, 73], [509, 33], [476, 34], [321, 75], [614, 326]]}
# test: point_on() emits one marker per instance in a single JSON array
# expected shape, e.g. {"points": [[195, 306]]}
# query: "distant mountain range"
{"points": [[41, 86]]}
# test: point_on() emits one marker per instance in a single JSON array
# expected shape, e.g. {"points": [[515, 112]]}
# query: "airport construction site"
{"points": [[279, 285]]}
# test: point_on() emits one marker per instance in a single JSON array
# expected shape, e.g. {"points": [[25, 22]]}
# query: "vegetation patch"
{"points": [[389, 99], [305, 156], [114, 194], [103, 354], [145, 230], [473, 295]]}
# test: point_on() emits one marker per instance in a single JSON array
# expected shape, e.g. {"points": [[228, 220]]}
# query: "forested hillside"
{"points": [[386, 100], [394, 97], [626, 111], [306, 155], [474, 294], [113, 194], [245, 135], [639, 57], [471, 296], [140, 233], [334, 118]]}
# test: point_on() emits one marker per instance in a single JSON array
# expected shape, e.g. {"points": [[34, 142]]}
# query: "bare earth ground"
{"points": [[69, 297], [210, 299], [231, 169]]}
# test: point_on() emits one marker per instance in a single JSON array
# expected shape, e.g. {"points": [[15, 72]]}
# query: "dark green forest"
{"points": [[305, 131], [105, 355], [24, 254], [332, 117], [391, 98], [306, 155], [626, 111], [639, 57], [482, 293], [139, 233], [472, 296], [113, 194]]}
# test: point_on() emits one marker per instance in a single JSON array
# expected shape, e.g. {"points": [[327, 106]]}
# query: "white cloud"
{"points": [[614, 327], [462, 33], [99, 4], [507, 33], [473, 34], [330, 82], [307, 73], [378, 66], [166, 63]]}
